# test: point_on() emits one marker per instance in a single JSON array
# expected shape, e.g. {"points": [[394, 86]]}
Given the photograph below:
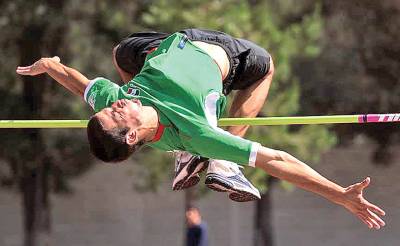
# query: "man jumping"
{"points": [[245, 68], [173, 104]]}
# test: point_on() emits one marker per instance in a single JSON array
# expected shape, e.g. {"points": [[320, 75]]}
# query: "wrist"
{"points": [[339, 197]]}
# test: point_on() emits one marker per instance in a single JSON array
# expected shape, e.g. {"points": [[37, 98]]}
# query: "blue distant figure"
{"points": [[197, 232]]}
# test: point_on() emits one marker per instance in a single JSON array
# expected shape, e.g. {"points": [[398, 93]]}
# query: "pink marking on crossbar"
{"points": [[374, 118], [362, 118]]}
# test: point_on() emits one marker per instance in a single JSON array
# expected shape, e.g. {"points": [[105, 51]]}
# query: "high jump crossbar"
{"points": [[264, 121]]}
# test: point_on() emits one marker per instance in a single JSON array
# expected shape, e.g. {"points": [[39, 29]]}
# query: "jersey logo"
{"points": [[182, 42], [133, 91], [92, 100]]}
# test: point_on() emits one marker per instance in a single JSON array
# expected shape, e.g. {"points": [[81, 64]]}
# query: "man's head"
{"points": [[193, 216], [113, 132]]}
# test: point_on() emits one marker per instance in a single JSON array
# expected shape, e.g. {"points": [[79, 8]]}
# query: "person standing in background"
{"points": [[197, 231]]}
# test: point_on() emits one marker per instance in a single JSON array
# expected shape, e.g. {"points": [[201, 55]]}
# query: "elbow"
{"points": [[268, 158], [266, 155]]}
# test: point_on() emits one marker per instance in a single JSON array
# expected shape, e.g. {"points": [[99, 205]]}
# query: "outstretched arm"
{"points": [[286, 167], [68, 77]]}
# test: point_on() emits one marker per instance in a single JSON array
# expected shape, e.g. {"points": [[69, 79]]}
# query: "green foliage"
{"points": [[357, 70]]}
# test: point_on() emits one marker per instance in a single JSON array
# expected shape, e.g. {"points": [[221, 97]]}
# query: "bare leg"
{"points": [[126, 77], [248, 103]]}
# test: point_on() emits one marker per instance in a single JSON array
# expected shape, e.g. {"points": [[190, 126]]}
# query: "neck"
{"points": [[149, 123]]}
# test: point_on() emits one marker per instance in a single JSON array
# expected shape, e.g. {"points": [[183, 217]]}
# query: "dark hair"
{"points": [[191, 207], [109, 145]]}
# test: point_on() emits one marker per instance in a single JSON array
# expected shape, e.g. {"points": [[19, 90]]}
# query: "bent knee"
{"points": [[270, 73], [267, 78]]}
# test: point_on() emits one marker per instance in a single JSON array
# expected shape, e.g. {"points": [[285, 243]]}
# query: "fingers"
{"points": [[376, 218], [371, 220], [36, 68], [359, 187], [56, 58], [374, 223], [366, 182], [365, 220], [375, 209], [24, 70]]}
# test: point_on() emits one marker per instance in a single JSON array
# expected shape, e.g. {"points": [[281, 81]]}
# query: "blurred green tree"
{"points": [[357, 70]]}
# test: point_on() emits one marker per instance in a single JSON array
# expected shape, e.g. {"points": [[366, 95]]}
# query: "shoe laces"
{"points": [[179, 155], [237, 171]]}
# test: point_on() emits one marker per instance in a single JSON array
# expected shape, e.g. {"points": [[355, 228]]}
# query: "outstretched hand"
{"points": [[37, 67], [358, 205]]}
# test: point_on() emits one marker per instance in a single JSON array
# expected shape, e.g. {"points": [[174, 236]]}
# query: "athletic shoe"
{"points": [[225, 176], [187, 169]]}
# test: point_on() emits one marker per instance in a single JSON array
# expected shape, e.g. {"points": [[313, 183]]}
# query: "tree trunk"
{"points": [[36, 205], [33, 164], [38, 35], [263, 228]]}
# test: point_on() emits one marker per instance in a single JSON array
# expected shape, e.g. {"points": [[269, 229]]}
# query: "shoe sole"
{"points": [[192, 177], [236, 195]]}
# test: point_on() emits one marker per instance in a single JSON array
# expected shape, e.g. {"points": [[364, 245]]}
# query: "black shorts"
{"points": [[248, 61], [132, 51]]}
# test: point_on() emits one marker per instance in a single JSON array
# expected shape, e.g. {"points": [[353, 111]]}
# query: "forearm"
{"points": [[68, 77], [286, 167]]}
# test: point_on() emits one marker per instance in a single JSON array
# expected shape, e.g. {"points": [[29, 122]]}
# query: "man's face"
{"points": [[122, 113]]}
